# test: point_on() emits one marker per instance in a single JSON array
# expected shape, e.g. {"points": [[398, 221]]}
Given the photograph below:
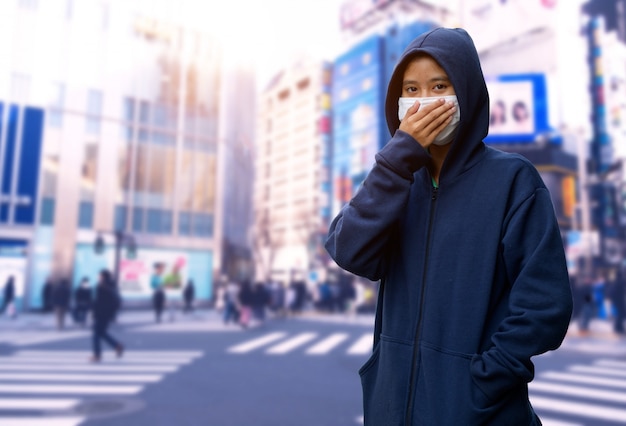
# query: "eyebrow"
{"points": [[432, 80]]}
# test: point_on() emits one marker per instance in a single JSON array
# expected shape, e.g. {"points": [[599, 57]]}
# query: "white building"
{"points": [[292, 182]]}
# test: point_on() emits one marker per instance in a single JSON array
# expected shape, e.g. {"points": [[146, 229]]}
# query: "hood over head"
{"points": [[455, 52]]}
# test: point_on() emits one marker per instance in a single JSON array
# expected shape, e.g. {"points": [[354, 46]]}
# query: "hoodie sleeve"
{"points": [[540, 304], [358, 235]]}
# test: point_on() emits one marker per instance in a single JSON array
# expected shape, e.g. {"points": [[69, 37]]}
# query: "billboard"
{"points": [[21, 130], [518, 110], [135, 274], [357, 116]]}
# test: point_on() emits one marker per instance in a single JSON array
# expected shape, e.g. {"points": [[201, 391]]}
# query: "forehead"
{"points": [[424, 64]]}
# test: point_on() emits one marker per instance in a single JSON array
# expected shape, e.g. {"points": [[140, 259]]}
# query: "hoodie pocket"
{"points": [[446, 393], [385, 382]]}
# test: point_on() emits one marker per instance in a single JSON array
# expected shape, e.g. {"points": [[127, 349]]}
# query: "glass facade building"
{"points": [[118, 104]]}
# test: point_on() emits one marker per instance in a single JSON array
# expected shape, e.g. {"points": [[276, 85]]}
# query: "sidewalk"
{"points": [[37, 321], [600, 339]]}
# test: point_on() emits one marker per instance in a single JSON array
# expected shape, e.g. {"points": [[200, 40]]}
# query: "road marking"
{"points": [[50, 373], [71, 389], [256, 343], [328, 344], [49, 421], [143, 378], [24, 338], [362, 346], [131, 353], [611, 363], [569, 377], [292, 343], [581, 409], [585, 392], [553, 422], [597, 370], [83, 359], [37, 404], [101, 367]]}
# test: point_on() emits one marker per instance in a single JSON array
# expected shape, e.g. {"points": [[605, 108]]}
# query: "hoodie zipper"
{"points": [[409, 408]]}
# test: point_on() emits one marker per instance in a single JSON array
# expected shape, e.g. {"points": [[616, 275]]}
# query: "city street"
{"points": [[297, 371]]}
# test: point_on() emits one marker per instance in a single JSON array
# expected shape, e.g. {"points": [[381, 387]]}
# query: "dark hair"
{"points": [[517, 106], [107, 277], [494, 118]]}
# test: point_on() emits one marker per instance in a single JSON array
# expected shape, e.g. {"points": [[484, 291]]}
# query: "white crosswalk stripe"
{"points": [[591, 393], [291, 344], [327, 344], [278, 343], [40, 387]]}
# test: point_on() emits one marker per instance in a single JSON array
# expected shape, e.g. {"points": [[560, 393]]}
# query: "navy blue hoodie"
{"points": [[473, 274]]}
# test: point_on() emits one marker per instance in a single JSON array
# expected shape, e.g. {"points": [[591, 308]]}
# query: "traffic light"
{"points": [[98, 246], [131, 248]]}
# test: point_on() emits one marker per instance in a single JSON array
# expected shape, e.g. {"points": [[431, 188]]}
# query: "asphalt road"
{"points": [[197, 371]]}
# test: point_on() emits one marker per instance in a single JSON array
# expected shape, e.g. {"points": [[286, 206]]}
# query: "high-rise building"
{"points": [[112, 131], [291, 200]]}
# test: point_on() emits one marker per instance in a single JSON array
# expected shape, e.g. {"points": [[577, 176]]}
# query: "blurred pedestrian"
{"points": [[46, 296], [587, 308], [260, 301], [172, 285], [8, 298], [105, 307], [83, 299], [466, 246], [189, 295], [300, 295], [158, 294], [617, 300], [246, 299], [277, 290], [61, 296], [599, 290], [231, 302]]}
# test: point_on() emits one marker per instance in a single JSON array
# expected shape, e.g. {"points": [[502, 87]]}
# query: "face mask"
{"points": [[447, 134]]}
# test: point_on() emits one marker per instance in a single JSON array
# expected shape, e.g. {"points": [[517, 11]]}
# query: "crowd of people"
{"points": [[247, 303], [600, 295]]}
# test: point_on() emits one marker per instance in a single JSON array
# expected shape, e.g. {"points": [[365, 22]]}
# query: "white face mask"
{"points": [[447, 134]]}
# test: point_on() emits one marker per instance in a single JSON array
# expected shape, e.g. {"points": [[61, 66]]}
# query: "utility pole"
{"points": [[121, 239]]}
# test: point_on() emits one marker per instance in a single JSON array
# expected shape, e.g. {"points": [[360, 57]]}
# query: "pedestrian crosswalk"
{"points": [[309, 343], [586, 393], [46, 387]]}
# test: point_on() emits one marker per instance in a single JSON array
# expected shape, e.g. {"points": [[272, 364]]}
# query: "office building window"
{"points": [[121, 218], [46, 214], [94, 111], [85, 215], [56, 104], [203, 225], [144, 112], [184, 223], [137, 219], [128, 109], [159, 221]]}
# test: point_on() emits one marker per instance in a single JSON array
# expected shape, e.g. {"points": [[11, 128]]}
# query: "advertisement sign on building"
{"points": [[178, 266], [518, 108]]}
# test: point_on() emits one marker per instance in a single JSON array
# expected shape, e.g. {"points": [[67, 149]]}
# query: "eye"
{"points": [[410, 89], [440, 87]]}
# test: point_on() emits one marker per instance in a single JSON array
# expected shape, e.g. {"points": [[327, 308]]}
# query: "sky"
{"points": [[269, 33]]}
